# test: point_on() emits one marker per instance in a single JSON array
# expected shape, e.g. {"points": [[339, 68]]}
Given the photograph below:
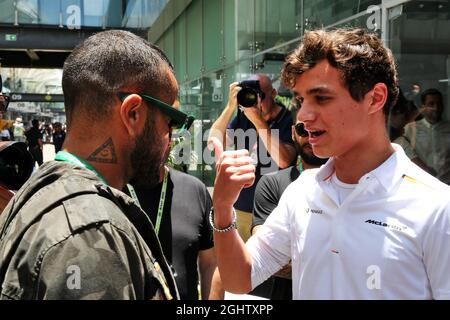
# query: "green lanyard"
{"points": [[162, 199], [73, 159], [300, 167]]}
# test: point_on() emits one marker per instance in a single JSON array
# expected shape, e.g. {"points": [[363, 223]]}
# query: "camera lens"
{"points": [[247, 97]]}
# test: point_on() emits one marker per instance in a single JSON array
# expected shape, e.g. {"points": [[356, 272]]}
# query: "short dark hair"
{"points": [[35, 122], [431, 92], [360, 57], [107, 63]]}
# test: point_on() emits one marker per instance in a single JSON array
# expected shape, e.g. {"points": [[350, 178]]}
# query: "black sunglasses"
{"points": [[300, 129], [179, 120], [4, 102]]}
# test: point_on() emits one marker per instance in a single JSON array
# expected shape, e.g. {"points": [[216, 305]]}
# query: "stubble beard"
{"points": [[308, 158], [147, 157]]}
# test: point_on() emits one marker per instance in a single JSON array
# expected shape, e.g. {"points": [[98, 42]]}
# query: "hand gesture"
{"points": [[232, 95], [234, 170]]}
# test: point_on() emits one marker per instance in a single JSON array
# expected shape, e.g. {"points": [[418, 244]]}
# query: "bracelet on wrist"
{"points": [[232, 226]]}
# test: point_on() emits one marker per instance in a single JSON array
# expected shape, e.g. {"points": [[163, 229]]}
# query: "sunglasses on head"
{"points": [[179, 120], [4, 102], [300, 129]]}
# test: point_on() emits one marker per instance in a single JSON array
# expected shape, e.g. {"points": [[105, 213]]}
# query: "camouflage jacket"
{"points": [[66, 235]]}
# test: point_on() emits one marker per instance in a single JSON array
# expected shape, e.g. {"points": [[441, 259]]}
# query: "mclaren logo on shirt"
{"points": [[385, 225]]}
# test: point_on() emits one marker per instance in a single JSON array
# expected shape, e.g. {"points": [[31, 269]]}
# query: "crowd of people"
{"points": [[342, 197], [35, 135]]}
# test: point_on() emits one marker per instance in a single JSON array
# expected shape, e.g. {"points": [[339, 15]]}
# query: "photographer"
{"points": [[266, 128]]}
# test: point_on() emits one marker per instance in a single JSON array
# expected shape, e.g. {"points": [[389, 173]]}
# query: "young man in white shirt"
{"points": [[371, 224]]}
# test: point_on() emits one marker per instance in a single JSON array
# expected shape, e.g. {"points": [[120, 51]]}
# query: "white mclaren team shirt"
{"points": [[389, 239]]}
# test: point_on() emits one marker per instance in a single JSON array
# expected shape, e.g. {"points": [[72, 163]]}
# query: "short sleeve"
{"points": [[266, 199]]}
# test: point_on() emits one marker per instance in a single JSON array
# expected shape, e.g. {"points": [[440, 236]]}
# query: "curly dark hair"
{"points": [[360, 57]]}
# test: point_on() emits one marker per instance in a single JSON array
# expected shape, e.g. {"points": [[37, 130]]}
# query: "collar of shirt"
{"points": [[426, 123], [387, 174]]}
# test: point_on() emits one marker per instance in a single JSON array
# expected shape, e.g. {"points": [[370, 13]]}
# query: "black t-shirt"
{"points": [[267, 195], [268, 192], [184, 229], [33, 135], [58, 140]]}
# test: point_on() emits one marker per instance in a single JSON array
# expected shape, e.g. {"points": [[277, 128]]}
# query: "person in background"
{"points": [[19, 130], [58, 136], [34, 141], [414, 95], [268, 126], [5, 135], [47, 133], [403, 112], [430, 136], [4, 100]]}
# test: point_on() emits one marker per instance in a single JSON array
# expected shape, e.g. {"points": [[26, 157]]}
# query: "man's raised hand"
{"points": [[234, 170]]}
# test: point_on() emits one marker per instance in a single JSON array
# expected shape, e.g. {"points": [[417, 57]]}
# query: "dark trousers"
{"points": [[37, 154]]}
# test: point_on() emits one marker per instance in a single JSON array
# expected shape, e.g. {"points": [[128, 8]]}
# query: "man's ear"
{"points": [[377, 97], [133, 114], [274, 93]]}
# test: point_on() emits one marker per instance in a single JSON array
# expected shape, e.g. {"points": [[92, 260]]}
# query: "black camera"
{"points": [[248, 95]]}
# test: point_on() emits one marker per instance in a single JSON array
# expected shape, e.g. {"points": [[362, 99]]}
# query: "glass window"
{"points": [[419, 36], [212, 24], [194, 40], [27, 11], [142, 13], [49, 12], [323, 13], [78, 13], [7, 11]]}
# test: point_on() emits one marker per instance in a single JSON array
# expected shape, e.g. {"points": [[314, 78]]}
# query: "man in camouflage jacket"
{"points": [[70, 239], [69, 233]]}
